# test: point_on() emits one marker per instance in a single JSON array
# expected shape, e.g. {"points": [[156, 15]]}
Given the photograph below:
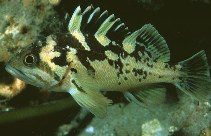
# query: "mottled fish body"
{"points": [[99, 53]]}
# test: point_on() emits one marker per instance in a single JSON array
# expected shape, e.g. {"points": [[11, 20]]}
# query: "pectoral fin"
{"points": [[92, 100]]}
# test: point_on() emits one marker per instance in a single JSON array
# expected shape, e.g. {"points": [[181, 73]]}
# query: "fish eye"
{"points": [[30, 60]]}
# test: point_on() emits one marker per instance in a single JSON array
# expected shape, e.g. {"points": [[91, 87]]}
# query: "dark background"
{"points": [[185, 24]]}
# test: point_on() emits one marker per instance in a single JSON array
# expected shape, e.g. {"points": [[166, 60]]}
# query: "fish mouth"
{"points": [[17, 73]]}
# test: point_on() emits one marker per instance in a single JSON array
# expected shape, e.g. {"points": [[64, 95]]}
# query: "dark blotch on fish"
{"points": [[145, 75], [127, 71], [73, 70], [118, 65], [61, 60], [138, 71], [78, 87]]}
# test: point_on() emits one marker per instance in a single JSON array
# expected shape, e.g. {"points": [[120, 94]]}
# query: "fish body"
{"points": [[99, 53]]}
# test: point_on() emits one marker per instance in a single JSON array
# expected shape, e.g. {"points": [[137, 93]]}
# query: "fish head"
{"points": [[28, 66]]}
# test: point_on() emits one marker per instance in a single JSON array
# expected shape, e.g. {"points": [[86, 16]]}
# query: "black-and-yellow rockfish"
{"points": [[99, 53]]}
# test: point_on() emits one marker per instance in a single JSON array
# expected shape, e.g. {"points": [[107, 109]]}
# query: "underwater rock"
{"points": [[152, 128], [125, 120], [54, 2], [185, 117], [21, 25]]}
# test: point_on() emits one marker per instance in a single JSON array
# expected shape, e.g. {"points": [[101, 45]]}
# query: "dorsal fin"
{"points": [[100, 35], [75, 21], [151, 39], [104, 27], [75, 25]]}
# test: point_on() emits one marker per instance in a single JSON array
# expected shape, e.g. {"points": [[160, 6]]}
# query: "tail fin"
{"points": [[195, 76]]}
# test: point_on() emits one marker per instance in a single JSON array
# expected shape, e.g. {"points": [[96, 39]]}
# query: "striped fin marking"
{"points": [[74, 27], [94, 17], [100, 35], [129, 43], [104, 27], [151, 39], [155, 43]]}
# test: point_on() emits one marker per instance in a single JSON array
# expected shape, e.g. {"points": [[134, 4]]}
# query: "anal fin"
{"points": [[149, 95]]}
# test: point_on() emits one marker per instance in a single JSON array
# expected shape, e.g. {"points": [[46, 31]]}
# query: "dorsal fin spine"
{"points": [[104, 13], [100, 35], [91, 21], [129, 42], [97, 10], [87, 10], [118, 19], [75, 21], [119, 26], [74, 27], [131, 39]]}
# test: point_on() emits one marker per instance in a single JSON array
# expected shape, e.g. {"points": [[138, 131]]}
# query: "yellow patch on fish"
{"points": [[111, 55], [47, 53]]}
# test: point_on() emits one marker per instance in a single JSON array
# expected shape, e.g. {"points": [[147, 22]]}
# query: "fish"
{"points": [[99, 53]]}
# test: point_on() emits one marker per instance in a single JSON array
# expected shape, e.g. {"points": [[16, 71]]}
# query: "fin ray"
{"points": [[100, 35], [101, 25], [75, 26], [195, 76], [93, 15], [92, 100], [75, 21], [148, 95], [153, 42]]}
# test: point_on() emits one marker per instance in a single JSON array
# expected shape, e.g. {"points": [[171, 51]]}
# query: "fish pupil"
{"points": [[30, 60]]}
